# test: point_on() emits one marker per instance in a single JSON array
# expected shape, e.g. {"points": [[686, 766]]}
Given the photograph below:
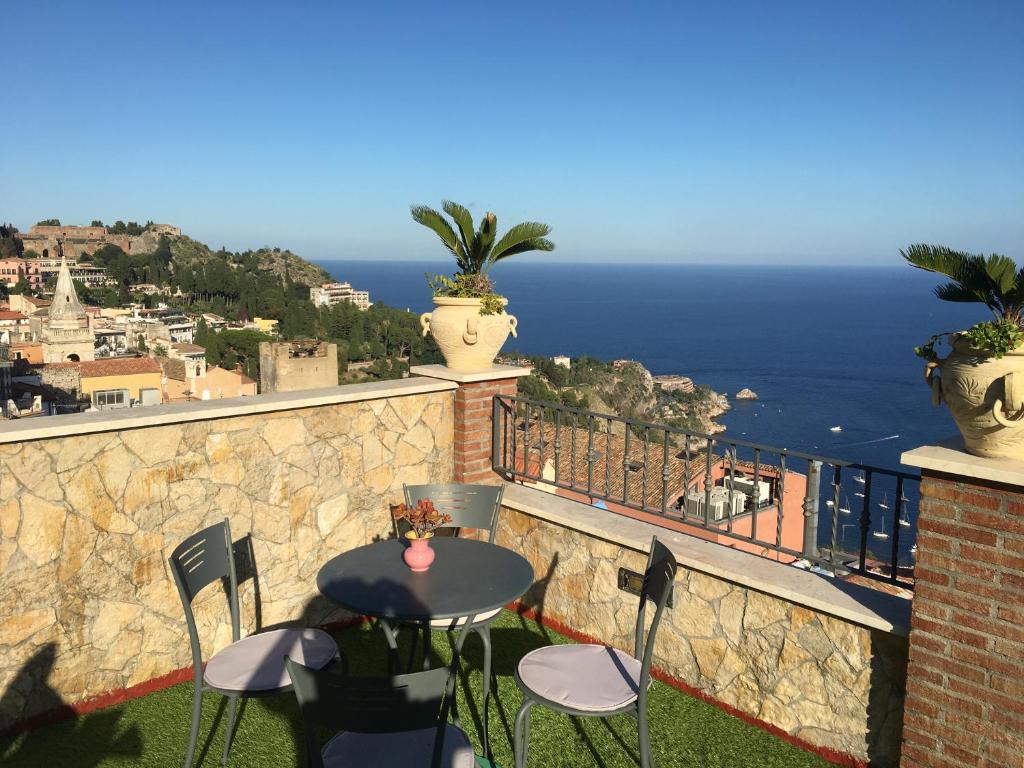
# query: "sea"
{"points": [[822, 347]]}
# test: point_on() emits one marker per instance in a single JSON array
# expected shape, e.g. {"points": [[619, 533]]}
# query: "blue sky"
{"points": [[767, 132]]}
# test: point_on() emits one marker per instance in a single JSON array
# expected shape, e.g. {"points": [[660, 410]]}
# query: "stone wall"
{"points": [[87, 602], [829, 682]]}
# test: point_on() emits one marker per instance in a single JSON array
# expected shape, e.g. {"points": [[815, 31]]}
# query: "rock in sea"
{"points": [[746, 394]]}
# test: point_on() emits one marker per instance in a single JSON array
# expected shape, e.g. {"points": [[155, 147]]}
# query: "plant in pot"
{"points": [[469, 322], [981, 380], [423, 519]]}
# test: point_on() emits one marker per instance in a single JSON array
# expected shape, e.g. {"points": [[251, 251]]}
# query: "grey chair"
{"points": [[249, 667], [595, 680], [475, 507], [399, 721]]}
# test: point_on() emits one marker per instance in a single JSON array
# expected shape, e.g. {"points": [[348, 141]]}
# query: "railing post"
{"points": [[810, 549], [474, 417]]}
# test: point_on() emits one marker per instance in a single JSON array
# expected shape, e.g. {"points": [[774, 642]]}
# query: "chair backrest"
{"points": [[199, 560], [336, 702], [471, 506], [658, 578]]}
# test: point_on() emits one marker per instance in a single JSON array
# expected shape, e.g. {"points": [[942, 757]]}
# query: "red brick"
{"points": [[1006, 613], [993, 522], [1011, 686], [986, 696], [964, 756], [942, 629], [993, 556], [987, 589], [943, 698], [927, 559], [948, 666], [986, 660], [956, 531], [990, 626], [925, 575]]}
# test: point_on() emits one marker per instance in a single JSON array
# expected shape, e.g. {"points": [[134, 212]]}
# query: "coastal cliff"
{"points": [[627, 389]]}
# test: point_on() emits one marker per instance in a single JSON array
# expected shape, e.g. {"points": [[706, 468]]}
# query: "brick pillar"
{"points": [[474, 415], [965, 678]]}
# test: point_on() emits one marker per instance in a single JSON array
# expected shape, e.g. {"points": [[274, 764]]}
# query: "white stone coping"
{"points": [[494, 373], [42, 427], [852, 602], [949, 456]]}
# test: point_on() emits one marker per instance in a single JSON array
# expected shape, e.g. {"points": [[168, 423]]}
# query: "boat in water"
{"points": [[845, 509], [836, 428], [859, 478], [905, 518], [881, 532], [884, 503]]}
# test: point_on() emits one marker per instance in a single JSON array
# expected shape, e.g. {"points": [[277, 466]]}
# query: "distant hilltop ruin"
{"points": [[44, 238]]}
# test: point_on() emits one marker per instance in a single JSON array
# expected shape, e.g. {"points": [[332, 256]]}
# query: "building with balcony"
{"points": [[329, 294], [12, 270]]}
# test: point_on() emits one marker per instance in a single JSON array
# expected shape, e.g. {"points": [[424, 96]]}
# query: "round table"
{"points": [[467, 577]]}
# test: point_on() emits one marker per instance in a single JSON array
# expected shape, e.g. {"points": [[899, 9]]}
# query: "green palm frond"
{"points": [[536, 244], [1002, 271], [957, 292], [433, 220], [994, 281], [462, 218], [519, 234]]}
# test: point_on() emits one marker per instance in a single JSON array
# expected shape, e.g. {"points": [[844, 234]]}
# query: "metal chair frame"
{"points": [[658, 577], [200, 560], [481, 513], [377, 705]]}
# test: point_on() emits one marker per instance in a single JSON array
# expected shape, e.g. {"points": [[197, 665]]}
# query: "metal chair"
{"points": [[389, 721], [470, 506], [249, 667], [595, 680]]}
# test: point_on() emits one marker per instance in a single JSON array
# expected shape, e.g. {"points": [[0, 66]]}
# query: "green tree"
{"points": [[48, 223]]}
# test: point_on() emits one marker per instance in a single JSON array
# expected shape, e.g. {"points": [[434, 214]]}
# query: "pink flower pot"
{"points": [[418, 555]]}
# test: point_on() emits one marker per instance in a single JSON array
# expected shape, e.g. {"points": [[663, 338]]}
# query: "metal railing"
{"points": [[755, 497]]}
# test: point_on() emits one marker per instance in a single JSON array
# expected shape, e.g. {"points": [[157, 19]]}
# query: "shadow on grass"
{"points": [[90, 740]]}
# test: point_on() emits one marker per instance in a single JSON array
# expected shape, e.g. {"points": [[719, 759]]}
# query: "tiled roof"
{"points": [[124, 366], [6, 315], [187, 348], [606, 479]]}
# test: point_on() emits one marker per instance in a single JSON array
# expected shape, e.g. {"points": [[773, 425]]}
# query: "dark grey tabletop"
{"points": [[467, 577]]}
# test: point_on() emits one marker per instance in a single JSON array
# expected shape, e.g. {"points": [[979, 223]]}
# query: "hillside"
{"points": [[626, 389], [186, 252]]}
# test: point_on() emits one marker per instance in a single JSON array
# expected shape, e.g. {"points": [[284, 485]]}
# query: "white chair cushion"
{"points": [[406, 749], [590, 678], [256, 663], [453, 623]]}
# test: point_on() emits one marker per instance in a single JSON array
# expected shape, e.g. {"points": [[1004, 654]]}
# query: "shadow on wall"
{"points": [[886, 694], [100, 730]]}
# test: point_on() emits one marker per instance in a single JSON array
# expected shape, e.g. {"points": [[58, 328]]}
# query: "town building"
{"points": [[181, 384], [292, 365], [14, 326], [215, 323], [193, 355], [329, 294], [64, 331], [11, 270], [562, 360], [265, 325], [27, 305], [84, 273], [108, 384]]}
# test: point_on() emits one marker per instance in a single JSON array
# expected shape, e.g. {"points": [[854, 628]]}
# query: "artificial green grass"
{"points": [[153, 730]]}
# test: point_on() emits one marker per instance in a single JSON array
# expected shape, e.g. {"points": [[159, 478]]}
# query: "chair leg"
{"points": [[646, 758], [521, 737], [230, 731], [426, 645], [485, 636], [391, 635], [193, 735]]}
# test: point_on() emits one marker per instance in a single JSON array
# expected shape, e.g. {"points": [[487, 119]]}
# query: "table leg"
{"points": [[391, 635]]}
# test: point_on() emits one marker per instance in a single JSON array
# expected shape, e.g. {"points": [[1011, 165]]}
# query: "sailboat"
{"points": [[859, 478], [829, 503], [845, 509], [905, 518], [880, 533], [884, 503], [859, 495]]}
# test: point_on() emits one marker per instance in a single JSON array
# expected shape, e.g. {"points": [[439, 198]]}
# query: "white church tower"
{"points": [[65, 333]]}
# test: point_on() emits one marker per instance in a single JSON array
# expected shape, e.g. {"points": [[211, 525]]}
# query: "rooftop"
{"points": [[151, 731]]}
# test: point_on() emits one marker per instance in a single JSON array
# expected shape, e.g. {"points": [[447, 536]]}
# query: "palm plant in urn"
{"points": [[469, 322], [981, 380], [423, 520]]}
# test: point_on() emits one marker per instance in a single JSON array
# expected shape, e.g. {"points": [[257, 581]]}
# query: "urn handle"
{"points": [[934, 382], [512, 323], [1013, 391], [425, 322], [470, 336]]}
